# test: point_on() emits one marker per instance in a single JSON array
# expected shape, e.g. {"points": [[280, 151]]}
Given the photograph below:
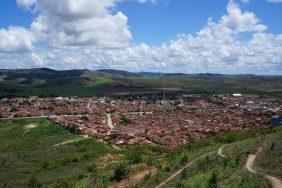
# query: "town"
{"points": [[164, 120]]}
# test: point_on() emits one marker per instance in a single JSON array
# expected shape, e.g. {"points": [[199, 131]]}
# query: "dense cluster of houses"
{"points": [[162, 121]]}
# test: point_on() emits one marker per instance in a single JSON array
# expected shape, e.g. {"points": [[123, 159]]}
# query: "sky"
{"points": [[187, 36]]}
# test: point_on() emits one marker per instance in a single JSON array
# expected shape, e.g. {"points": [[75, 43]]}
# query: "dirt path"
{"points": [[183, 168], [68, 142], [135, 178], [110, 123], [219, 152], [276, 183], [89, 107]]}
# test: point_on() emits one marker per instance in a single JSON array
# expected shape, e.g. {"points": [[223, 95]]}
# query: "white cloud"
{"points": [[16, 40], [81, 23], [216, 48]]}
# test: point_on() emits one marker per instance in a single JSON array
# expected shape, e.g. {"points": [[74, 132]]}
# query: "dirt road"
{"points": [[220, 152], [276, 183]]}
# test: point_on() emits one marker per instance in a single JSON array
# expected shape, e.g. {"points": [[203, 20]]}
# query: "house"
{"points": [[237, 95]]}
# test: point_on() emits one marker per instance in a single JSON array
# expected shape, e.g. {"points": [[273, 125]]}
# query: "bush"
{"points": [[91, 168], [213, 180], [34, 183], [121, 172], [135, 155], [184, 160]]}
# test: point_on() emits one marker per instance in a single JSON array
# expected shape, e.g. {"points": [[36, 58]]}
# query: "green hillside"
{"points": [[38, 153], [47, 82]]}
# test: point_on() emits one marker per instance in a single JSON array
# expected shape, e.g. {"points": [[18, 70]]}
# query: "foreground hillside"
{"points": [[47, 82], [38, 153]]}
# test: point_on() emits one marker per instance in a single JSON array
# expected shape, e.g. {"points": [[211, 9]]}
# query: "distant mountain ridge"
{"points": [[49, 82]]}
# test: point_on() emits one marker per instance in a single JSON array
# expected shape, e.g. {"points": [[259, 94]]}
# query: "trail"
{"points": [[89, 106], [110, 123], [183, 168], [276, 183], [219, 152], [68, 142]]}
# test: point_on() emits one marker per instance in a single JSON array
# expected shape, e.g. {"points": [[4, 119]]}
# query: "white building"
{"points": [[237, 95]]}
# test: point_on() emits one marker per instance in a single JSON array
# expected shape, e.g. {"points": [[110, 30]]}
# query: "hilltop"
{"points": [[47, 82]]}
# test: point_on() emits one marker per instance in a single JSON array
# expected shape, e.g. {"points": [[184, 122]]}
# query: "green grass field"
{"points": [[27, 156]]}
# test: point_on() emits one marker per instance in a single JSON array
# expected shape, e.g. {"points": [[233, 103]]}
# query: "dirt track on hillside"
{"points": [[276, 183]]}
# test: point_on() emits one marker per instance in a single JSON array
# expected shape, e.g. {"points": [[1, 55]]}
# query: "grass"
{"points": [[28, 159], [29, 155], [230, 171]]}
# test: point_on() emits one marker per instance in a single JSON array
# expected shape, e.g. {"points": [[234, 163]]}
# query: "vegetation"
{"points": [[121, 172], [215, 171], [124, 120], [29, 158], [48, 83]]}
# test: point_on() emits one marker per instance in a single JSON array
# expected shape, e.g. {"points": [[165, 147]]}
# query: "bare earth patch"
{"points": [[68, 142], [109, 159], [30, 126], [133, 180]]}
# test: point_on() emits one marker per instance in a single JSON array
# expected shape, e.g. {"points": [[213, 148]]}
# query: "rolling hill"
{"points": [[47, 82]]}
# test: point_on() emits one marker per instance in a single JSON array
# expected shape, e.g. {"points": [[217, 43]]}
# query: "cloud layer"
{"points": [[82, 38]]}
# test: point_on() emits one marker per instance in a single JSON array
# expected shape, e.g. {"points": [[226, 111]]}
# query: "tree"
{"points": [[213, 180], [14, 109], [73, 129], [124, 120]]}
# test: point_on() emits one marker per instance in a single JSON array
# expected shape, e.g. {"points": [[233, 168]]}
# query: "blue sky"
{"points": [[158, 24], [139, 31], [155, 24]]}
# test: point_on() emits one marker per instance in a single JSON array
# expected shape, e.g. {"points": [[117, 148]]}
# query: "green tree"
{"points": [[124, 120], [213, 180]]}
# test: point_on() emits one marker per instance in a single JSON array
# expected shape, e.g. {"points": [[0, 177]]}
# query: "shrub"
{"points": [[184, 174], [121, 172], [34, 183], [91, 168], [45, 164], [184, 159], [213, 180], [135, 155]]}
